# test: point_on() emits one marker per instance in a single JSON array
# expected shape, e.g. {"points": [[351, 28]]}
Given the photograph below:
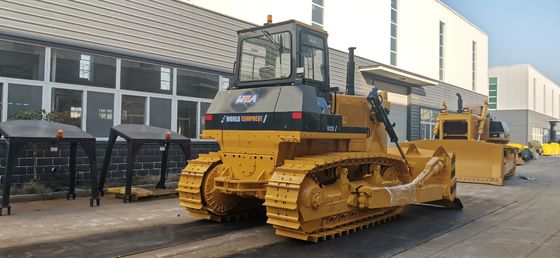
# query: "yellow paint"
{"points": [[480, 158], [314, 181]]}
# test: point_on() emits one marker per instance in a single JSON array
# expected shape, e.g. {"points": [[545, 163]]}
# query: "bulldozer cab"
{"points": [[499, 132], [471, 123], [460, 126], [280, 54]]}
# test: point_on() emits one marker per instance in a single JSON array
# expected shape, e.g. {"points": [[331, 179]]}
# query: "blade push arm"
{"points": [[381, 115]]}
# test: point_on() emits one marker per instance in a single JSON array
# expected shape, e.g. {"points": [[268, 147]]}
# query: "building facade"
{"points": [[96, 64], [424, 37], [526, 99], [422, 52]]}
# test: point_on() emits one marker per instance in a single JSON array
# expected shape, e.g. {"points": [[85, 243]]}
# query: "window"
{"points": [[474, 65], [145, 77], [133, 110], [99, 118], [493, 93], [313, 57], [544, 99], [317, 11], [160, 112], [85, 69], [266, 57], [553, 111], [24, 98], [165, 78], [22, 61], [197, 84], [186, 118], [203, 109], [394, 24], [428, 118], [441, 50], [534, 94], [537, 134], [67, 105]]}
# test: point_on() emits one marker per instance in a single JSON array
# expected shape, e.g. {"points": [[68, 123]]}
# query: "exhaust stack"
{"points": [[459, 103], [350, 72]]}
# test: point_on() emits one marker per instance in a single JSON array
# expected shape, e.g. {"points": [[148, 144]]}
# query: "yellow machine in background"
{"points": [[316, 160], [519, 148], [551, 149], [478, 142]]}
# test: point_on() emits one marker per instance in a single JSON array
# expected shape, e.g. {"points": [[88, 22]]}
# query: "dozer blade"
{"points": [[476, 162]]}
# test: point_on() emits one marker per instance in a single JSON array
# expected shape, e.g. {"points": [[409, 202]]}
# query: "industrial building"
{"points": [[103, 63], [526, 99]]}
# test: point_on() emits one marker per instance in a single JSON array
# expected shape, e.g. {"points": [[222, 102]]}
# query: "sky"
{"points": [[519, 31]]}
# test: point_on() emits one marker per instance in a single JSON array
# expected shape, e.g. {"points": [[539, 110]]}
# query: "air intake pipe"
{"points": [[350, 72], [459, 103]]}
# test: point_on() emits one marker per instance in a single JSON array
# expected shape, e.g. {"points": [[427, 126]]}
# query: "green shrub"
{"points": [[535, 145], [36, 114], [30, 187]]}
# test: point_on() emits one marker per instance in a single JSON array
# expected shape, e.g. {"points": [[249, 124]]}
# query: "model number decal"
{"points": [[246, 99]]}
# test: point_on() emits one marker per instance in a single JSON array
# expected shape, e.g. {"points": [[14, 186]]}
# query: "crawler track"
{"points": [[284, 204], [191, 193]]}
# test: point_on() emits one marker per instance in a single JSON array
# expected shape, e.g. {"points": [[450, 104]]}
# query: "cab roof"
{"points": [[270, 25]]}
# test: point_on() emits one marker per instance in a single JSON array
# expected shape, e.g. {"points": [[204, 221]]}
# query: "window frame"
{"points": [[322, 8], [432, 123], [161, 66], [474, 64], [441, 56], [493, 93], [82, 97], [325, 57], [52, 72], [393, 53], [274, 79], [47, 86]]}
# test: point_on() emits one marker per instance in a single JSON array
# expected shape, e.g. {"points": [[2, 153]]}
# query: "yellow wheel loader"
{"points": [[479, 142], [314, 160]]}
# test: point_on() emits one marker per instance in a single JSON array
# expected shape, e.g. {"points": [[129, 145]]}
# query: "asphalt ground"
{"points": [[519, 219]]}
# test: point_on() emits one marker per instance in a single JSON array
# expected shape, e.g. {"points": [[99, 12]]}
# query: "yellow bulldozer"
{"points": [[313, 160], [479, 142]]}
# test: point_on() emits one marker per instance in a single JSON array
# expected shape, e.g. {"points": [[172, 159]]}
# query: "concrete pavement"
{"points": [[516, 220]]}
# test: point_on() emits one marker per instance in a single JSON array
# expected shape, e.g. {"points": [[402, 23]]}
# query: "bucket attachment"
{"points": [[477, 162]]}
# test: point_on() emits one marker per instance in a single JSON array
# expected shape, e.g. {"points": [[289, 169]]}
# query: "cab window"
{"points": [[313, 57]]}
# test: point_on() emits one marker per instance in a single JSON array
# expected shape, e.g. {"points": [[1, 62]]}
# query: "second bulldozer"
{"points": [[478, 141], [316, 160]]}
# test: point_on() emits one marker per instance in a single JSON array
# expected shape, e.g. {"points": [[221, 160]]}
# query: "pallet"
{"points": [[143, 193]]}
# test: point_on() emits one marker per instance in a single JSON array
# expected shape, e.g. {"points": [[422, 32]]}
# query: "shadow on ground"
{"points": [[129, 242], [418, 224]]}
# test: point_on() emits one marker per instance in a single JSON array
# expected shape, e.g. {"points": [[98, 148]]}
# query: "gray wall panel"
{"points": [[337, 65], [517, 123], [169, 31]]}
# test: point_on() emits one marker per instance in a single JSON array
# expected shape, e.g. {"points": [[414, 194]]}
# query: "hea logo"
{"points": [[246, 99]]}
